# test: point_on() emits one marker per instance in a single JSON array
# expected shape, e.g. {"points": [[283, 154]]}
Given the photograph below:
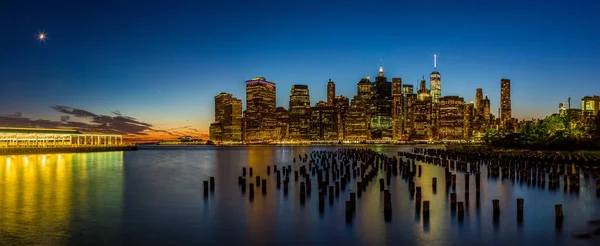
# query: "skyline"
{"points": [[163, 65]]}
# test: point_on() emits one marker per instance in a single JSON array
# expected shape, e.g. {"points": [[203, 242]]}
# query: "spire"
{"points": [[380, 68], [434, 62]]}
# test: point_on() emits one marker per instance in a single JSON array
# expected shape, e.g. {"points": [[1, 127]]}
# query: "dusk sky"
{"points": [[155, 66]]}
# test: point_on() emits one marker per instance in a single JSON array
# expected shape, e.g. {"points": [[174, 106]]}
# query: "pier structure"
{"points": [[11, 137]]}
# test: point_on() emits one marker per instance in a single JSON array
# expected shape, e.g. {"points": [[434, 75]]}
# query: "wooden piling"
{"points": [[558, 213], [461, 210], [496, 207], [426, 209], [381, 185], [250, 172], [244, 171], [353, 200], [434, 184], [257, 181], [251, 191], [453, 202], [520, 204], [205, 186], [264, 186]]}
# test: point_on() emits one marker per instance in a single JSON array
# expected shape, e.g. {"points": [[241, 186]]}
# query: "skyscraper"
{"points": [[397, 107], [452, 118], [478, 99], [357, 120], [487, 114], [342, 105], [435, 82], [381, 117], [505, 103], [228, 117], [423, 91], [323, 122], [330, 92], [260, 110], [422, 112], [299, 113]]}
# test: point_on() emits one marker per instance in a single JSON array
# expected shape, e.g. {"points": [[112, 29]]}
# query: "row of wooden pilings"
{"points": [[333, 178], [524, 170]]}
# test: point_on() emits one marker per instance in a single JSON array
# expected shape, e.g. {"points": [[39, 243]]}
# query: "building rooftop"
{"points": [[27, 130]]}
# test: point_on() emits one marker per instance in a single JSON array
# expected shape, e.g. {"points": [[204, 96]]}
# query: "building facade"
{"points": [[381, 124], [478, 101], [435, 81], [505, 103], [323, 122], [228, 113], [342, 105], [260, 122], [590, 105], [330, 92], [452, 118], [397, 108], [299, 113], [357, 120]]}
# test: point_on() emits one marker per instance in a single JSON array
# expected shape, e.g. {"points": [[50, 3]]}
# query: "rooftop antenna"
{"points": [[569, 102], [434, 61]]}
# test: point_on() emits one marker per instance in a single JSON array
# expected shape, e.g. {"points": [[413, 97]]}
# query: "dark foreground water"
{"points": [[154, 197]]}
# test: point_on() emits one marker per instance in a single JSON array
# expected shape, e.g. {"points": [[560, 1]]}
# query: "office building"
{"points": [[299, 113], [487, 114], [330, 92], [381, 117], [228, 113], [260, 111], [435, 81], [407, 125], [505, 103], [590, 105], [397, 108], [282, 116], [342, 105], [478, 101], [357, 127], [323, 122], [452, 118]]}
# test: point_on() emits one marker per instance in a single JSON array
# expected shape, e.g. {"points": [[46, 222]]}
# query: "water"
{"points": [[154, 197]]}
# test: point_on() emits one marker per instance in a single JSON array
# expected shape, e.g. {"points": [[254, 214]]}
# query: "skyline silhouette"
{"points": [[160, 65]]}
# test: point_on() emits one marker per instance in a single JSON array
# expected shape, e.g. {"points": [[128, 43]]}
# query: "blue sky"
{"points": [[162, 62]]}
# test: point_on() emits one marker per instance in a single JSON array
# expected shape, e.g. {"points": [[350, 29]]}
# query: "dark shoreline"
{"points": [[27, 151]]}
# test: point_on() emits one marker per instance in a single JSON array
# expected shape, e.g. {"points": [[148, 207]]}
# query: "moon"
{"points": [[42, 36]]}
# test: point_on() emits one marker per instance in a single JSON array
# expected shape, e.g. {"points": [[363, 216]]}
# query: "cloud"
{"points": [[14, 115], [86, 121]]}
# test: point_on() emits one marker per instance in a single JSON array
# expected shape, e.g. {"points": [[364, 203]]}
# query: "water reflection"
{"points": [[51, 199]]}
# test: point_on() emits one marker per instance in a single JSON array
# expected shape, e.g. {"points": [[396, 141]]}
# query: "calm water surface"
{"points": [[154, 197]]}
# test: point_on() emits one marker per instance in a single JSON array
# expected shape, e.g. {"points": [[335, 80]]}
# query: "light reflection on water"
{"points": [[57, 198], [154, 196]]}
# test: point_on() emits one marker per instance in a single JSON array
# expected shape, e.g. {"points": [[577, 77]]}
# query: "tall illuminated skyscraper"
{"points": [[228, 118], [342, 105], [435, 83], [299, 113], [487, 114], [478, 99], [260, 110], [452, 118], [330, 92], [381, 125], [505, 102], [397, 107]]}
